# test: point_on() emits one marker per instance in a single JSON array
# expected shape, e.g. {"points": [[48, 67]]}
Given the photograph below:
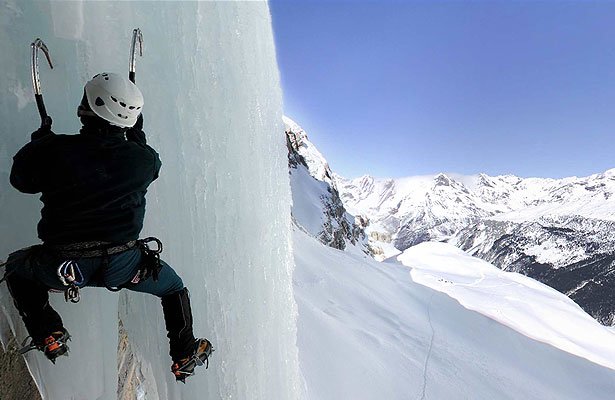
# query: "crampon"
{"points": [[53, 346], [185, 367]]}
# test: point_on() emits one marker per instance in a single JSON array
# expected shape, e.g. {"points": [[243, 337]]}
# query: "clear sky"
{"points": [[399, 88]]}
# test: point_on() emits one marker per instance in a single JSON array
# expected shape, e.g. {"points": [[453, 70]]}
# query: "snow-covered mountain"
{"points": [[317, 207], [370, 330], [555, 230], [417, 209], [358, 317], [409, 211]]}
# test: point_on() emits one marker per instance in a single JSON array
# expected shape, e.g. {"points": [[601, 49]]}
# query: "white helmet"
{"points": [[114, 99]]}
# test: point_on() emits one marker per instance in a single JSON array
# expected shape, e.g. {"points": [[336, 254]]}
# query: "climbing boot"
{"points": [[178, 320], [185, 367], [53, 346]]}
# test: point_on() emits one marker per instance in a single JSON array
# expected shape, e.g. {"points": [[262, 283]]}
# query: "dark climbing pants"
{"points": [[33, 274]]}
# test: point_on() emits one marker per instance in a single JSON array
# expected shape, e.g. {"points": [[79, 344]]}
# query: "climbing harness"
{"points": [[69, 273], [150, 261]]}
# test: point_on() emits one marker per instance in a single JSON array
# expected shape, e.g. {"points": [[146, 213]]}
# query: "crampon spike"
{"points": [[185, 367]]}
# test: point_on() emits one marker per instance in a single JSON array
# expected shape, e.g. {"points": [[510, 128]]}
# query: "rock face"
{"points": [[317, 207], [17, 382], [130, 376], [557, 231]]}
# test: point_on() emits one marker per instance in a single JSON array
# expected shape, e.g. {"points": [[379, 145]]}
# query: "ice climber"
{"points": [[93, 189]]}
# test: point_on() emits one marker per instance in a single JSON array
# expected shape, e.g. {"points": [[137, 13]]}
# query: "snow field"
{"points": [[524, 304], [366, 331]]}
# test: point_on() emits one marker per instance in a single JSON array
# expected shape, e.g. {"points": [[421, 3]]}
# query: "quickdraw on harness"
{"points": [[150, 260], [70, 275]]}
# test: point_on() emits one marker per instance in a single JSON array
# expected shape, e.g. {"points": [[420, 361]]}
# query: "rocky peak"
{"points": [[317, 207], [297, 139], [442, 180]]}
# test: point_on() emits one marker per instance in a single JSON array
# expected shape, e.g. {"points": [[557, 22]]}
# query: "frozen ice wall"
{"points": [[221, 205]]}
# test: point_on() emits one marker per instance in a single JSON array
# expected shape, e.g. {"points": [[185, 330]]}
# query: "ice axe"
{"points": [[36, 82], [137, 36]]}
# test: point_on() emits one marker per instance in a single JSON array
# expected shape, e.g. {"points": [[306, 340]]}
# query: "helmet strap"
{"points": [[84, 112]]}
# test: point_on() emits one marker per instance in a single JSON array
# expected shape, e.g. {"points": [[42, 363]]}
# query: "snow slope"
{"points": [[308, 194], [213, 110], [524, 304], [450, 327], [366, 331]]}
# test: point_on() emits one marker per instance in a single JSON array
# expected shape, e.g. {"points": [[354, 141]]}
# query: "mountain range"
{"points": [[558, 231]]}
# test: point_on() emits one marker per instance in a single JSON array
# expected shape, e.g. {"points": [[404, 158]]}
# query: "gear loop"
{"points": [[150, 239]]}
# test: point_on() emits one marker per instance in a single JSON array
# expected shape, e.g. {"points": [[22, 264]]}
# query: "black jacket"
{"points": [[93, 184]]}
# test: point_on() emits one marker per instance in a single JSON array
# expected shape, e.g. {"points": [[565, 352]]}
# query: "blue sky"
{"points": [[399, 88]]}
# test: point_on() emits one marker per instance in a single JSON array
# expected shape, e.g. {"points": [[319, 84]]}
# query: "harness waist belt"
{"points": [[91, 249]]}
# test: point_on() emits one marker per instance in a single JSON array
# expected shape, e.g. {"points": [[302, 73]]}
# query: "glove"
{"points": [[139, 124], [44, 130], [135, 134]]}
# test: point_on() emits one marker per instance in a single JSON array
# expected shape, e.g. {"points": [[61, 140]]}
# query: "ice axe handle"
{"points": [[131, 76], [36, 83], [41, 109]]}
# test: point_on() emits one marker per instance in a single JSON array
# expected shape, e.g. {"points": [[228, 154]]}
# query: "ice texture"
{"points": [[221, 206]]}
